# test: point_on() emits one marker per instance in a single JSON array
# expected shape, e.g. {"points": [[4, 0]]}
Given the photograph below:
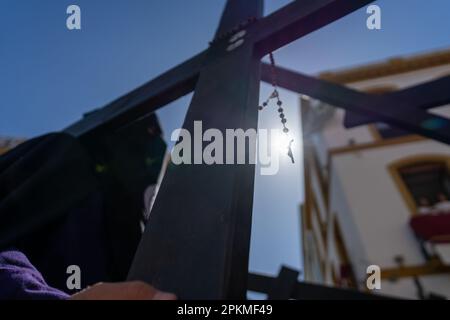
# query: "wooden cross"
{"points": [[196, 243]]}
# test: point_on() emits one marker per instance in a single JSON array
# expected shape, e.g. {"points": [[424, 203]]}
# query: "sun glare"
{"points": [[280, 142]]}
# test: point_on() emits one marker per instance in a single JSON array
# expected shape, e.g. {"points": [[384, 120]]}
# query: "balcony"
{"points": [[432, 227]]}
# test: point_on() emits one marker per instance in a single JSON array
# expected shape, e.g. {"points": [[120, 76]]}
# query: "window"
{"points": [[423, 181], [426, 180]]}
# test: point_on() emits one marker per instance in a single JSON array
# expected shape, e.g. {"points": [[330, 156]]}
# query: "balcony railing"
{"points": [[432, 227]]}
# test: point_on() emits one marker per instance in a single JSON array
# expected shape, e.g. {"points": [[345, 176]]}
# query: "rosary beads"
{"points": [[275, 95]]}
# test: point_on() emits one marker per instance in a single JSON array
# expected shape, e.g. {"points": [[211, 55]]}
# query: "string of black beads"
{"points": [[275, 95]]}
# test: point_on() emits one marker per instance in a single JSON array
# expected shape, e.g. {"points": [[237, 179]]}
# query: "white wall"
{"points": [[405, 287], [335, 135], [375, 203], [437, 283], [352, 238], [372, 213]]}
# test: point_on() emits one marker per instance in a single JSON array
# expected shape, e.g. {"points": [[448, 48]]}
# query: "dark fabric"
{"points": [[39, 181], [129, 160], [65, 201], [58, 211], [80, 239], [19, 280]]}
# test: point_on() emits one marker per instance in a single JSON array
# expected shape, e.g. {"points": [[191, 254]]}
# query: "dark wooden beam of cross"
{"points": [[286, 286], [196, 243], [424, 96], [268, 34], [405, 109], [365, 109]]}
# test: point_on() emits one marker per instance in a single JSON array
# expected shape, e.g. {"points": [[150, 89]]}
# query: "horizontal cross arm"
{"points": [[308, 291], [158, 92], [418, 121], [425, 96]]}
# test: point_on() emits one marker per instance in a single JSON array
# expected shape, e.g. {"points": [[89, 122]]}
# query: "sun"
{"points": [[280, 142]]}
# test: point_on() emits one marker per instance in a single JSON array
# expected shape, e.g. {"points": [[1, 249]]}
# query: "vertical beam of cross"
{"points": [[197, 240]]}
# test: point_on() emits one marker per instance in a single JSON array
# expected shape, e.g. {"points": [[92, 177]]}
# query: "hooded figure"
{"points": [[66, 201]]}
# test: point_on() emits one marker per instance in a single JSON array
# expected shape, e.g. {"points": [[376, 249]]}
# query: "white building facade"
{"points": [[374, 194]]}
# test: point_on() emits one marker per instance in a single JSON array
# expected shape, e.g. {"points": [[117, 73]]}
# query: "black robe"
{"points": [[69, 202]]}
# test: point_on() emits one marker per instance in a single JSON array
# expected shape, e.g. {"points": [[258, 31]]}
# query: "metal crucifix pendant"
{"points": [[290, 154]]}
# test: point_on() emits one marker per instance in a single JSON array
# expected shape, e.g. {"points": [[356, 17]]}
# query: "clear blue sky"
{"points": [[50, 76]]}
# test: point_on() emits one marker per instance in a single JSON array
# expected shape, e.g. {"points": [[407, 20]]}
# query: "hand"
{"points": [[134, 290]]}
